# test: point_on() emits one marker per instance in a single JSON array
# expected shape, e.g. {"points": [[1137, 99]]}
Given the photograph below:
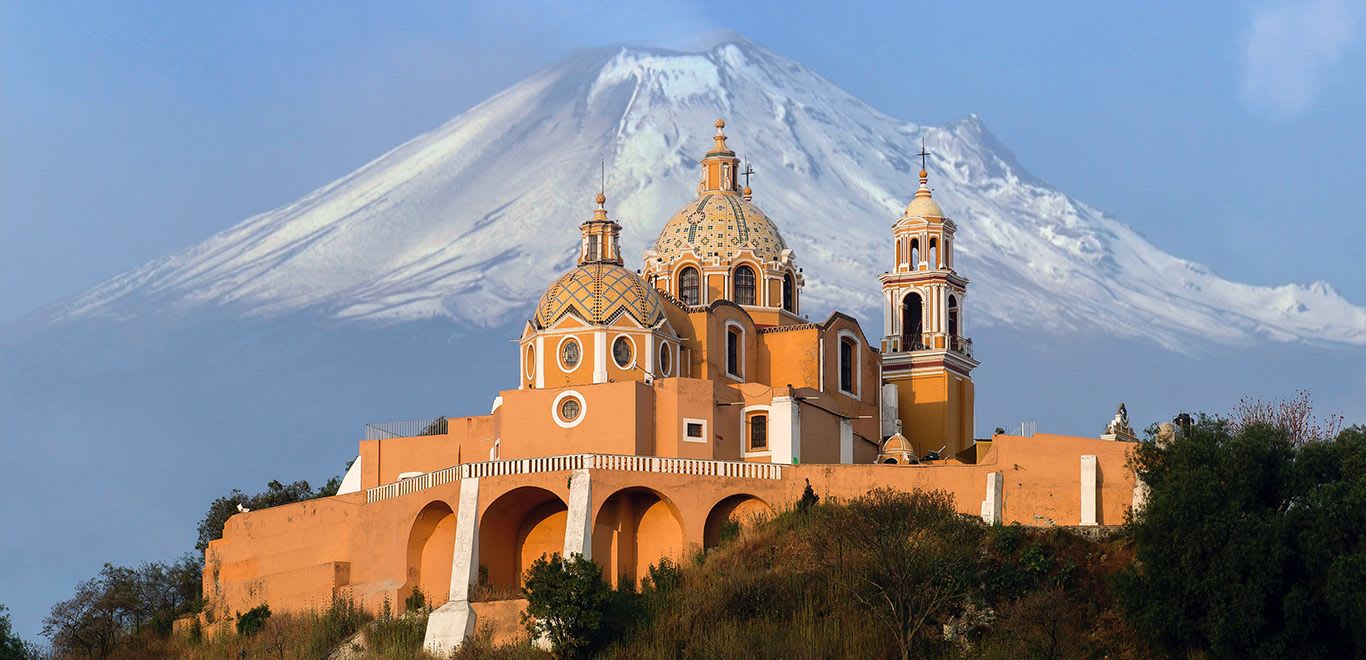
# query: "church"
{"points": [[656, 406]]}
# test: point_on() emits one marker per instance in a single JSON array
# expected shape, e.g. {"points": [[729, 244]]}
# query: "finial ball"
{"points": [[720, 123], [924, 174], [602, 199]]}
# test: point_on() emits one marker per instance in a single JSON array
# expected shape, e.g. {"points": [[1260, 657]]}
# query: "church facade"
{"points": [[656, 406]]}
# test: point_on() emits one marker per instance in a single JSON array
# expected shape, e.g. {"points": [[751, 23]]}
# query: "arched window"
{"points": [[915, 253], [744, 285], [789, 293], [688, 286], [953, 317], [758, 432], [934, 245], [912, 323], [847, 368], [733, 352]]}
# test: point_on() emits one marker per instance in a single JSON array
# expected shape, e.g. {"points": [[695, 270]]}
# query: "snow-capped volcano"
{"points": [[475, 218]]}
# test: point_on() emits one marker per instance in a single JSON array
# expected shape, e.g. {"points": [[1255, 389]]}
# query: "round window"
{"points": [[665, 360], [621, 351], [569, 409], [530, 361], [569, 353]]}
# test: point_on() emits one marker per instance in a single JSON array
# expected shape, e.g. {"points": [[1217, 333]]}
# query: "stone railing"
{"points": [[616, 462]]}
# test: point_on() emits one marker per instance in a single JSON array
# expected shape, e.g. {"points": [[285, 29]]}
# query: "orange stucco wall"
{"points": [[299, 556]]}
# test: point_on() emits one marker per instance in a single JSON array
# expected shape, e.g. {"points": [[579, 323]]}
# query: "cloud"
{"points": [[1287, 47]]}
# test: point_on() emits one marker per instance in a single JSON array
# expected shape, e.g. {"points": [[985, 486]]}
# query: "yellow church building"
{"points": [[653, 407]]}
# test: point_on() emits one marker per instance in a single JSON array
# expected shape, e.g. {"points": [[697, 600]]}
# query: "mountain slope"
{"points": [[475, 218]]}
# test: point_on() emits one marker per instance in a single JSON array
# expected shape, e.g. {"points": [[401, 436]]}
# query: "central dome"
{"points": [[720, 224], [598, 293]]}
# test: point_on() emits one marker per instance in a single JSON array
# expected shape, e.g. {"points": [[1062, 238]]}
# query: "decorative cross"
{"points": [[922, 153], [748, 171]]}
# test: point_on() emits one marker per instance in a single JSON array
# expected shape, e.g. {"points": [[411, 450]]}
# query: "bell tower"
{"points": [[926, 359]]}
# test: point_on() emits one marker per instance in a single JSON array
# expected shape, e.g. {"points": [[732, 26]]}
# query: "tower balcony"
{"points": [[931, 341]]}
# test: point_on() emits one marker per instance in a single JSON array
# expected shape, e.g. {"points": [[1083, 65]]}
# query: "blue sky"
{"points": [[1234, 135]]}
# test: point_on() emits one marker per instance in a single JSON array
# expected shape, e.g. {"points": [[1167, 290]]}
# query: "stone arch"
{"points": [[516, 529], [634, 528], [742, 507], [431, 547]]}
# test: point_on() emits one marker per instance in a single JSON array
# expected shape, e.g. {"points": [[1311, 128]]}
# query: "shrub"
{"points": [[253, 620], [566, 599]]}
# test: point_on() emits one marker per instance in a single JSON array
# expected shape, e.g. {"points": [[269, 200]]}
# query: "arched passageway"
{"points": [[634, 528], [431, 545], [739, 510], [517, 529]]}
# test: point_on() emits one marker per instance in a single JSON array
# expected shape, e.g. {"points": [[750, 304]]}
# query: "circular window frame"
{"points": [[634, 351], [559, 354], [666, 360], [530, 355], [559, 400]]}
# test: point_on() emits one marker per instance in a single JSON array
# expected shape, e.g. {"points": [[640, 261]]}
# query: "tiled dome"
{"points": [[597, 293], [720, 224]]}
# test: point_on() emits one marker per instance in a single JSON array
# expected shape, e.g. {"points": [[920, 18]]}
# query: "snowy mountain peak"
{"points": [[435, 227]]}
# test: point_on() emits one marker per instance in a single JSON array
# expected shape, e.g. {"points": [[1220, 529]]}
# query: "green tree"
{"points": [[12, 647], [1253, 539], [275, 494], [908, 559], [566, 600]]}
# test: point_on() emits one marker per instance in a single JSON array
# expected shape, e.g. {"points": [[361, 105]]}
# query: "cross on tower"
{"points": [[922, 153], [748, 171]]}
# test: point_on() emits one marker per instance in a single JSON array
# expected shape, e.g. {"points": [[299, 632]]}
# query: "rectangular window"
{"points": [[733, 352], [695, 430], [758, 432]]}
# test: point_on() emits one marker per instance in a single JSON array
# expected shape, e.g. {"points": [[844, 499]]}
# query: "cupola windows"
{"points": [[689, 286], [744, 286], [570, 354], [934, 252], [915, 254], [789, 290], [622, 351]]}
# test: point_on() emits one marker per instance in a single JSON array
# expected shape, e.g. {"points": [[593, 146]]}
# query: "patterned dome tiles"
{"points": [[719, 224], [599, 293]]}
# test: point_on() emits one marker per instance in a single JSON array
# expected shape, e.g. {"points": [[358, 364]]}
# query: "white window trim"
{"points": [[740, 352], [744, 431], [665, 350], [559, 354], [555, 409], [635, 352], [687, 438], [857, 371]]}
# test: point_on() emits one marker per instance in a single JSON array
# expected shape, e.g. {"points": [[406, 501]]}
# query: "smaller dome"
{"points": [[923, 204], [598, 293], [896, 443]]}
